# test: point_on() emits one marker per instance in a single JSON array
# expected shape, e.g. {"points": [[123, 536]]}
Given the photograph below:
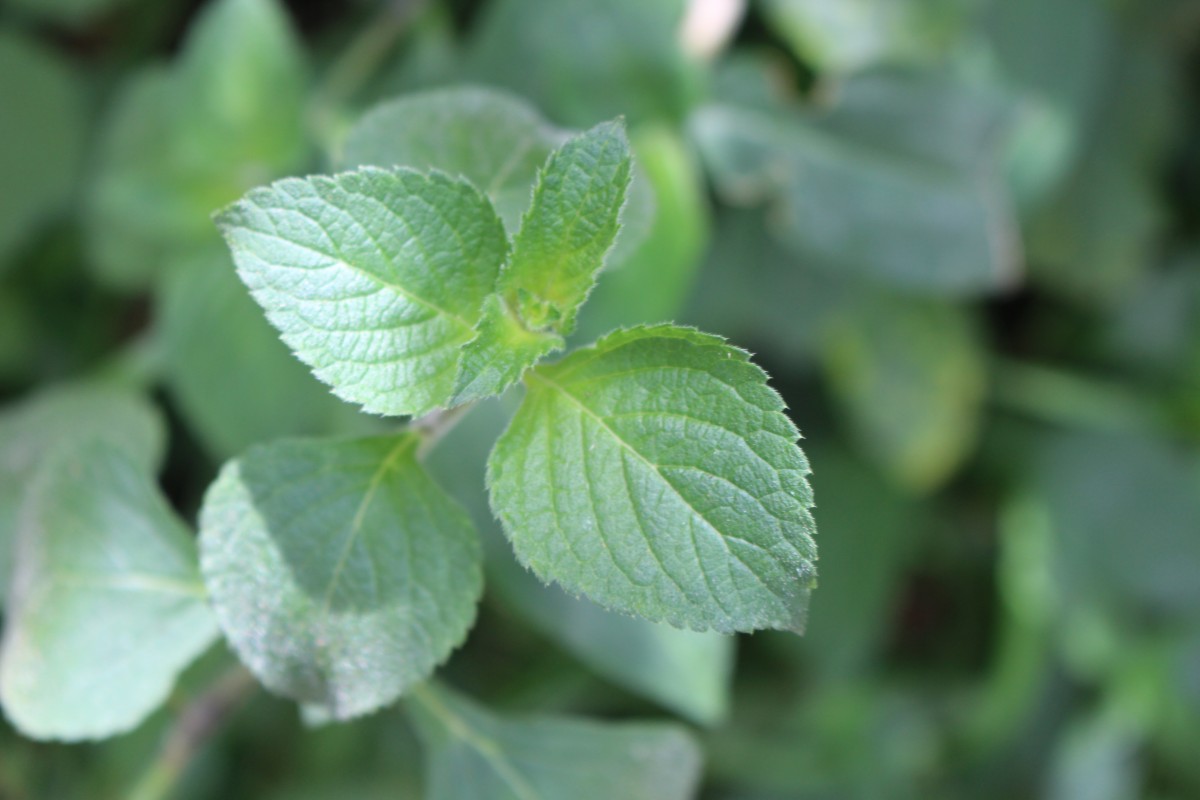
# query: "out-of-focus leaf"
{"points": [[1100, 228], [652, 284], [42, 129], [183, 141], [864, 551], [685, 671], [793, 317], [656, 472], [910, 377], [106, 605], [339, 571], [1097, 759], [1124, 514], [587, 60], [235, 382], [495, 140], [474, 753], [61, 415], [847, 35], [898, 183]]}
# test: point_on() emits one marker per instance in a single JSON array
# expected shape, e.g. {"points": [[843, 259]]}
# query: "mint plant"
{"points": [[653, 471]]}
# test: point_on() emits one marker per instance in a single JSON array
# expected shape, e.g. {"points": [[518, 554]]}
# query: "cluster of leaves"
{"points": [[960, 233]]}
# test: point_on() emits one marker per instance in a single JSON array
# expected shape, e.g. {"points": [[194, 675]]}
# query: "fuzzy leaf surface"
{"points": [[656, 473], [375, 278], [106, 607], [339, 571]]}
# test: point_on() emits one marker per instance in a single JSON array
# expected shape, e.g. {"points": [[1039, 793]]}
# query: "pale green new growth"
{"points": [[501, 353], [569, 228], [656, 473], [339, 571], [475, 754], [375, 278], [106, 606]]}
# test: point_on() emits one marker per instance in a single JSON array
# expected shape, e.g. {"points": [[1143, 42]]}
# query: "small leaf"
{"points": [[500, 354], [473, 753], [107, 605], [374, 278], [656, 473], [339, 571], [495, 140], [569, 229], [72, 413]]}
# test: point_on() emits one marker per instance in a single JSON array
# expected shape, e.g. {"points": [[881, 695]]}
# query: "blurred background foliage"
{"points": [[963, 236]]}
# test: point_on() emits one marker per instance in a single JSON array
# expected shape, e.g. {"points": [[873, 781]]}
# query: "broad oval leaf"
{"points": [[656, 473], [474, 753], [339, 571], [375, 278], [107, 605]]}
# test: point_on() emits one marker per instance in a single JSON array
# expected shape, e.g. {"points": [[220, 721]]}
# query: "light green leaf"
{"points": [[339, 571], [106, 606], [234, 382], [910, 377], [912, 159], [375, 278], [184, 140], [569, 228], [41, 136], [68, 414], [495, 140], [656, 473], [474, 753]]}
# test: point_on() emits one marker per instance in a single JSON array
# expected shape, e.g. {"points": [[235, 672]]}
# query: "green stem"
{"points": [[200, 719]]}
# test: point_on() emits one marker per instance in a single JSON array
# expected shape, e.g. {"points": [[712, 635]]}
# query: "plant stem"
{"points": [[436, 424], [200, 719]]}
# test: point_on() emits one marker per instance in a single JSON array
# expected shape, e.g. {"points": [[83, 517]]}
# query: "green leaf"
{"points": [[587, 60], [339, 571], [569, 228], [184, 140], [845, 35], [685, 671], [656, 473], [375, 278], [41, 136], [107, 606], [495, 140], [473, 753], [226, 368], [68, 414], [910, 377], [914, 159]]}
